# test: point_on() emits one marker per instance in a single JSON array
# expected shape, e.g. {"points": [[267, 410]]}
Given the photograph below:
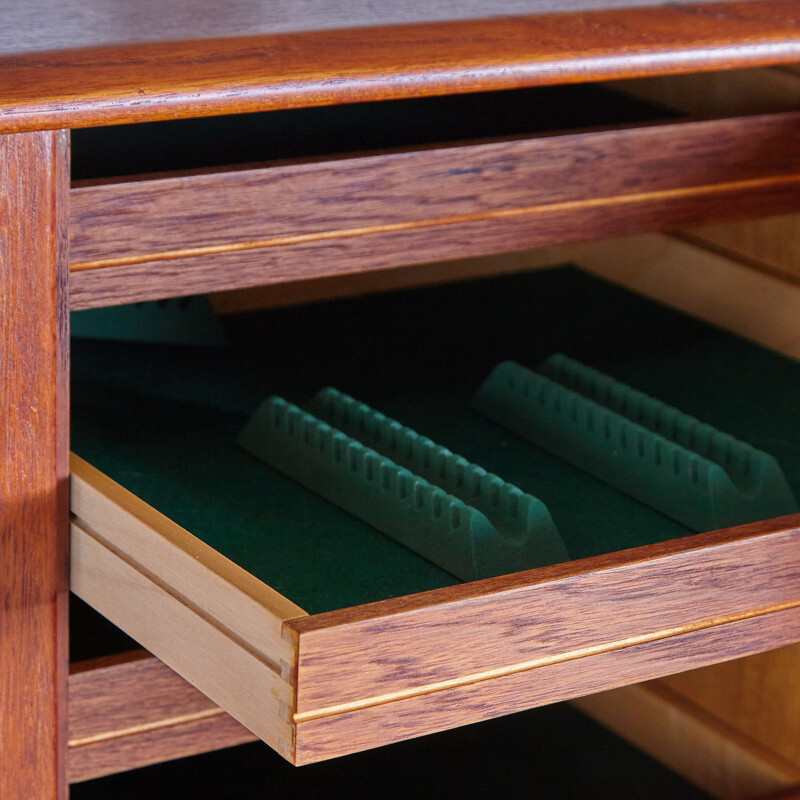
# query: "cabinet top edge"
{"points": [[49, 79]]}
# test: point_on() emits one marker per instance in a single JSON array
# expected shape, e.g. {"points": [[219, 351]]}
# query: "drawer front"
{"points": [[324, 685], [135, 240]]}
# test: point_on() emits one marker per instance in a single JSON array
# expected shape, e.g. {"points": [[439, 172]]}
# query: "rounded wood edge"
{"points": [[171, 80]]}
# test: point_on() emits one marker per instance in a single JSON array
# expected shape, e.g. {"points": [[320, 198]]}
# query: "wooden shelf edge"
{"points": [[517, 194], [143, 82], [131, 710]]}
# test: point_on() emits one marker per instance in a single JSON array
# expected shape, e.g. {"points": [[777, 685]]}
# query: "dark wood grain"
{"points": [[145, 239], [131, 710], [168, 80], [326, 258], [341, 734], [147, 220], [517, 623], [34, 473]]}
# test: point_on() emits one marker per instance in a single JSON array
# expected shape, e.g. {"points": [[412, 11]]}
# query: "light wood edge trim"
{"points": [[145, 534], [704, 284], [90, 486], [233, 676], [143, 749], [690, 741], [146, 727]]}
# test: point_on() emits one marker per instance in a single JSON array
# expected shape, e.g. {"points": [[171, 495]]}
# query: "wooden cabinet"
{"points": [[131, 239]]}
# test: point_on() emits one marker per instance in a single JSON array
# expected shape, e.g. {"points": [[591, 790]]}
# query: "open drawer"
{"points": [[394, 647]]}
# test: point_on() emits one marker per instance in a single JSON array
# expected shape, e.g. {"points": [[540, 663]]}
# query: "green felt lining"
{"points": [[163, 419]]}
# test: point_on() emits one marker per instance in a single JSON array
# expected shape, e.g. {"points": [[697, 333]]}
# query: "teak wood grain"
{"points": [[34, 474], [533, 619], [340, 734], [149, 220], [167, 80], [143, 239], [131, 710]]}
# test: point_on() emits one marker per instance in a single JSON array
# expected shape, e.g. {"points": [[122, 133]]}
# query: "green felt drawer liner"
{"points": [[162, 419]]}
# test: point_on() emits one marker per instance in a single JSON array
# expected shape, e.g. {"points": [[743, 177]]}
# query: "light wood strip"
{"points": [[690, 741], [255, 689], [102, 85], [132, 710], [756, 696], [726, 93], [771, 244], [250, 609], [166, 588], [760, 307]]}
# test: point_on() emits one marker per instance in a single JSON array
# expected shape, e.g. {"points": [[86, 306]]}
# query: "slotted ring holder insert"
{"points": [[684, 468], [454, 513]]}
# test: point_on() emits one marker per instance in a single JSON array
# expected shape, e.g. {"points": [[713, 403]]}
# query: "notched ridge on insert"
{"points": [[684, 468]]}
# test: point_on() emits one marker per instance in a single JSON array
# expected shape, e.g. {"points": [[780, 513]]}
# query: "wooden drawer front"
{"points": [[325, 685], [144, 239], [544, 616]]}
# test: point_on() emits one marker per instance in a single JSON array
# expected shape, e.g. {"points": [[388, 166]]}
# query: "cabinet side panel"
{"points": [[34, 476]]}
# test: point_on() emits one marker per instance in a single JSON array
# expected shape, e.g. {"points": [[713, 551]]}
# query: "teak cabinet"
{"points": [[321, 685]]}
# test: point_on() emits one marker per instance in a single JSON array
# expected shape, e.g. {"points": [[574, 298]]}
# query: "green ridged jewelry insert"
{"points": [[684, 468], [459, 516]]}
